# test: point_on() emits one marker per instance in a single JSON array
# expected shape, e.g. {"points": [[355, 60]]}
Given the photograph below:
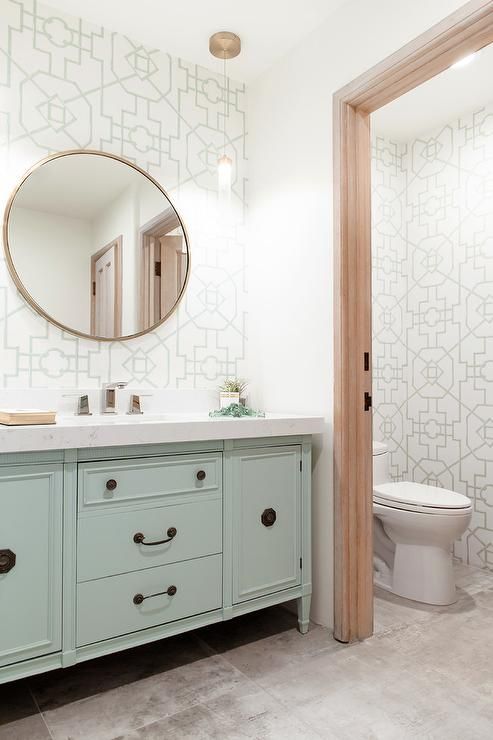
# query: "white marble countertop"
{"points": [[71, 432]]}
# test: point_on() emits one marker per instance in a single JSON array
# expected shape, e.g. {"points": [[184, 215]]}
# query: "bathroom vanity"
{"points": [[116, 533], [121, 528]]}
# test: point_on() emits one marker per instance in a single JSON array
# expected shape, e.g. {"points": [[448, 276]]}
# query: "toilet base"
{"points": [[423, 573]]}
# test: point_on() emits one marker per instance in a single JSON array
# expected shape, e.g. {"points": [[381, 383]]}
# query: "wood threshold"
{"points": [[465, 31]]}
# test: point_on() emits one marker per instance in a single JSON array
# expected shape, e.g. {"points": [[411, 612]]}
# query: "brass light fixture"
{"points": [[225, 45]]}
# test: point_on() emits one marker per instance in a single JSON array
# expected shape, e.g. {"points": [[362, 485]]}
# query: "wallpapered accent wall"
{"points": [[433, 314], [65, 84]]}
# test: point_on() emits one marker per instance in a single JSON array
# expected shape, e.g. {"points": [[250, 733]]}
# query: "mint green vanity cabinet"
{"points": [[267, 520], [106, 544], [110, 607], [146, 480], [154, 511], [30, 561], [116, 547]]}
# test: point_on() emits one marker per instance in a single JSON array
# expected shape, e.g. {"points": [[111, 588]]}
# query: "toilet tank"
{"points": [[381, 472]]}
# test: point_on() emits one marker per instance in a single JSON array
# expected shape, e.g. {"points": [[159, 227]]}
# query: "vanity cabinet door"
{"points": [[30, 561], [267, 521]]}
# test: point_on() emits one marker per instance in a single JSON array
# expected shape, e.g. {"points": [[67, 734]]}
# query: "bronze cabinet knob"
{"points": [[201, 475], [7, 560], [268, 517], [111, 484]]}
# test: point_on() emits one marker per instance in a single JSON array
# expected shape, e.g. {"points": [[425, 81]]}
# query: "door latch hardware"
{"points": [[366, 361], [367, 401]]}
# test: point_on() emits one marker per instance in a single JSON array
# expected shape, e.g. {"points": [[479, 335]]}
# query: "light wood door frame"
{"points": [[118, 245], [463, 32], [158, 226]]}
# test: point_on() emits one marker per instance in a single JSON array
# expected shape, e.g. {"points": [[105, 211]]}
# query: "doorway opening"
{"points": [[464, 32]]}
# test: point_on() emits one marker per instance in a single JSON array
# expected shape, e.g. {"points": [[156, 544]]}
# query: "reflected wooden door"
{"points": [[106, 291], [171, 271], [164, 270]]}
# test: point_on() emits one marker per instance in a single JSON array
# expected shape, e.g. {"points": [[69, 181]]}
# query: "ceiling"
{"points": [[440, 100], [268, 28], [79, 187]]}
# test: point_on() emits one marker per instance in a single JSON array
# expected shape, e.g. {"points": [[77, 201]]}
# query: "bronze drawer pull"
{"points": [[139, 538], [201, 475], [7, 560], [111, 484], [139, 598], [268, 517]]}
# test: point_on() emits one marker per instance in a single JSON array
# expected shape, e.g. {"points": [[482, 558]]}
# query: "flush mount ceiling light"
{"points": [[225, 45], [463, 62]]}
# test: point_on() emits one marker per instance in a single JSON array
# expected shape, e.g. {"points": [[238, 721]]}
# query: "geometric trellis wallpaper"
{"points": [[67, 84], [433, 314]]}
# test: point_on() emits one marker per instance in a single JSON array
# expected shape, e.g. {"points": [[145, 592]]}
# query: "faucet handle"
{"points": [[135, 406], [113, 386], [82, 404]]}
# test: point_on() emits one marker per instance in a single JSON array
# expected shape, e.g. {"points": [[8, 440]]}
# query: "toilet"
{"points": [[415, 526]]}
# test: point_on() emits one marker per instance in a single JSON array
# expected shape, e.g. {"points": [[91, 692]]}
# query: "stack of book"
{"points": [[19, 417]]}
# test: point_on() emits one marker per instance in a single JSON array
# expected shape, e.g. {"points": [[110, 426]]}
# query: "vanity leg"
{"points": [[304, 613]]}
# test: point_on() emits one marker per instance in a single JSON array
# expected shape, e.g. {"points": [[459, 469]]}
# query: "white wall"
{"points": [[290, 245], [432, 312], [58, 273], [167, 120]]}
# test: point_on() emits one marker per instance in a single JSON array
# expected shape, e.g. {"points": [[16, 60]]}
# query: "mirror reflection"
{"points": [[97, 245]]}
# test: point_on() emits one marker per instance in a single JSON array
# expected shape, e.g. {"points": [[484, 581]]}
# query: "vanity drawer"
{"points": [[106, 545], [108, 484], [110, 607]]}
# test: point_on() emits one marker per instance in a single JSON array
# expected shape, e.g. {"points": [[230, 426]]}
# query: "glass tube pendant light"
{"points": [[225, 45]]}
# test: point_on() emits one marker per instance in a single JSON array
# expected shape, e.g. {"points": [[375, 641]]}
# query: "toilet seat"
{"points": [[421, 498]]}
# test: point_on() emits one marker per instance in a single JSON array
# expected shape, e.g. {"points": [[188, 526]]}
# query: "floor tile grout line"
{"points": [[166, 716], [36, 704], [261, 689], [283, 704]]}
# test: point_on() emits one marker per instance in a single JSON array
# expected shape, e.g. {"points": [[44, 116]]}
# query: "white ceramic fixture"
{"points": [[415, 526]]}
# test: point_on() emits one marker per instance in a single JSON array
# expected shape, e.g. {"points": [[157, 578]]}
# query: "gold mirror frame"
{"points": [[20, 285]]}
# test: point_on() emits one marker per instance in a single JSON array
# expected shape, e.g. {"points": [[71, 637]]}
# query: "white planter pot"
{"points": [[225, 399]]}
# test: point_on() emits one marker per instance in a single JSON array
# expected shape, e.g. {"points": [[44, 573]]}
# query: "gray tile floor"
{"points": [[427, 673]]}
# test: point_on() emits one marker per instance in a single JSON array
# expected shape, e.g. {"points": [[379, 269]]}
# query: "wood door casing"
{"points": [[164, 268]]}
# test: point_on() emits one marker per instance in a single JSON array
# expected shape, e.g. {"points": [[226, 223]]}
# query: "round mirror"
{"points": [[95, 245]]}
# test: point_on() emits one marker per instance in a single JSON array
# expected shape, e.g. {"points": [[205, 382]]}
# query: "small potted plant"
{"points": [[231, 391]]}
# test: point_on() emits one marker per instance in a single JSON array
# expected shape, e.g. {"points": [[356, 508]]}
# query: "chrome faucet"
{"points": [[109, 397], [135, 403], [82, 404]]}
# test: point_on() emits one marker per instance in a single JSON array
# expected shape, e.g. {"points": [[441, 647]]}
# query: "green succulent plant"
{"points": [[233, 385]]}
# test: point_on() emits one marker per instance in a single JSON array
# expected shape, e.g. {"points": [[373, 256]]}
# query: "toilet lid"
{"points": [[405, 493]]}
